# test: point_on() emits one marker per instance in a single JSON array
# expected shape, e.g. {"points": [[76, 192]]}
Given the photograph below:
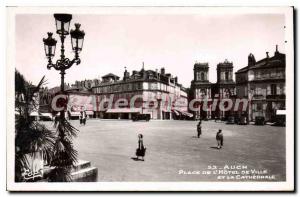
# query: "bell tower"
{"points": [[225, 72], [201, 72]]}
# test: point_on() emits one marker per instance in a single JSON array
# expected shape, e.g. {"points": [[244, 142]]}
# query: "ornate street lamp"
{"points": [[77, 37], [64, 156], [49, 45], [62, 22]]}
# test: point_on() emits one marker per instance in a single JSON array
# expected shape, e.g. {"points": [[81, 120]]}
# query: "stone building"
{"points": [[202, 89], [146, 86], [224, 88], [102, 98], [263, 84]]}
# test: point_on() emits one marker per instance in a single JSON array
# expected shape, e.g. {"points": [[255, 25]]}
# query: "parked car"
{"points": [[138, 117], [242, 120], [279, 121], [259, 120], [230, 120]]}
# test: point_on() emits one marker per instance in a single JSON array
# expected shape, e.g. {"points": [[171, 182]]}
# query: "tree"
{"points": [[31, 137]]}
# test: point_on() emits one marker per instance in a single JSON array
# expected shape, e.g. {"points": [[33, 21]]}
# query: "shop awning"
{"points": [[34, 113], [75, 113], [89, 112], [184, 113], [47, 115], [124, 110]]}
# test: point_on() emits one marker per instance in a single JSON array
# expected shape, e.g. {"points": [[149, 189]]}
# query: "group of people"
{"points": [[141, 150], [219, 135]]}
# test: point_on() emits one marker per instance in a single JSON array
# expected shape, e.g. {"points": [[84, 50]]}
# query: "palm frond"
{"points": [[66, 128], [34, 138]]}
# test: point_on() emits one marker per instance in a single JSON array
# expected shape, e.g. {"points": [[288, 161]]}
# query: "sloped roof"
{"points": [[110, 75], [274, 61]]}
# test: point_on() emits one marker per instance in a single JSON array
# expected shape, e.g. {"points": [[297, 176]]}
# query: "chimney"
{"points": [[162, 71], [176, 80], [276, 52], [267, 53]]}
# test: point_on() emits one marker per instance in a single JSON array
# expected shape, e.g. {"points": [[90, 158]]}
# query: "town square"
{"points": [[111, 97], [173, 146]]}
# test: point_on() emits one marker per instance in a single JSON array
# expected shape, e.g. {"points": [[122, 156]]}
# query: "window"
{"points": [[198, 78], [257, 74], [226, 76], [202, 76], [202, 92], [140, 86], [273, 73], [273, 89], [258, 91], [258, 106]]}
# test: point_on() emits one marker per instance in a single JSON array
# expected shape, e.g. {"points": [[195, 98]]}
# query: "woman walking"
{"points": [[141, 150]]}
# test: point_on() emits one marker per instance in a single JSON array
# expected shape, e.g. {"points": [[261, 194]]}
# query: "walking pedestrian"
{"points": [[84, 116], [80, 117], [219, 138], [199, 131], [141, 150]]}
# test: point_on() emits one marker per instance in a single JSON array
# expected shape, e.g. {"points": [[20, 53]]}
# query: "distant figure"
{"points": [[84, 116], [199, 132], [140, 151], [219, 138], [80, 117]]}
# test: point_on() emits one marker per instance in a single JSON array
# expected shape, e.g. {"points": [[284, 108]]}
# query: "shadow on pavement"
{"points": [[136, 159]]}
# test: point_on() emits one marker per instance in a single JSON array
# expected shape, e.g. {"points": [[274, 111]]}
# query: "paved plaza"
{"points": [[172, 146]]}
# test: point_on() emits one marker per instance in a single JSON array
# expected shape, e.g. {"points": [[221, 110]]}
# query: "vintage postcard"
{"points": [[150, 99]]}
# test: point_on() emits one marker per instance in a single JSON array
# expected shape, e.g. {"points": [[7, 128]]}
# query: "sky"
{"points": [[174, 42]]}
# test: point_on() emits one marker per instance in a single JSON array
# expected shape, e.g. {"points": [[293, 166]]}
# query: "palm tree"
{"points": [[65, 156], [31, 137]]}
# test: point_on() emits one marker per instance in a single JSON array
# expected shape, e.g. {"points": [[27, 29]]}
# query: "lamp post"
{"points": [[62, 22]]}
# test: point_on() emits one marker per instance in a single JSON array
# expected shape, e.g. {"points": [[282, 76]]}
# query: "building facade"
{"points": [[224, 88], [263, 84], [142, 92], [157, 94], [202, 89]]}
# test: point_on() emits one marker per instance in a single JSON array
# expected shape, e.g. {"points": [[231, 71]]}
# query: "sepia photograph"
{"points": [[150, 99]]}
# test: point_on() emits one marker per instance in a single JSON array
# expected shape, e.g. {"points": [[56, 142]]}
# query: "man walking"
{"points": [[219, 138]]}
